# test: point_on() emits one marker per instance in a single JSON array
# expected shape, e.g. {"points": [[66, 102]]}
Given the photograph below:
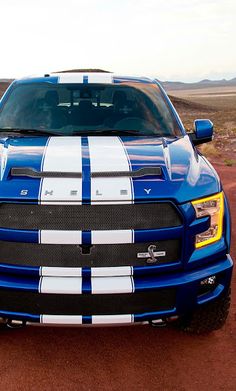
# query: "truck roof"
{"points": [[84, 78]]}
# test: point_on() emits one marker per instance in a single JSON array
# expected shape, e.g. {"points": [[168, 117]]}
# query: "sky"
{"points": [[185, 40]]}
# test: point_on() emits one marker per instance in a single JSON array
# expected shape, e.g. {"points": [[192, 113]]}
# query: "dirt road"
{"points": [[125, 358]]}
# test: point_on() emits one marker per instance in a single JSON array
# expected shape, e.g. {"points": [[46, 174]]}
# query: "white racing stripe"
{"points": [[77, 319], [108, 154], [70, 78], [60, 237], [3, 159], [46, 271], [62, 154], [111, 271], [61, 285], [112, 236], [112, 319], [73, 285], [61, 319], [93, 77], [75, 237], [106, 78], [106, 285]]}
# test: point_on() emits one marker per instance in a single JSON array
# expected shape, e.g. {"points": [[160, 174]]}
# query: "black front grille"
{"points": [[87, 304], [89, 217], [64, 255]]}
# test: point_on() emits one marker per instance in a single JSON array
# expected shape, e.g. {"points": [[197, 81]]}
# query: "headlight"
{"points": [[214, 207]]}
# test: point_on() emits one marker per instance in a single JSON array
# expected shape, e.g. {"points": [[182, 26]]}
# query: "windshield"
{"points": [[73, 109]]}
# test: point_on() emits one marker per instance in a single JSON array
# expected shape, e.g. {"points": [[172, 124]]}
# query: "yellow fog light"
{"points": [[214, 207]]}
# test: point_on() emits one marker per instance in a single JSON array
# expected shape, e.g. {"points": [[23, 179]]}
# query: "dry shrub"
{"points": [[209, 150]]}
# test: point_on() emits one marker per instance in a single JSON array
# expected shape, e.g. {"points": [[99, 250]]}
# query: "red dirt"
{"points": [[125, 358]]}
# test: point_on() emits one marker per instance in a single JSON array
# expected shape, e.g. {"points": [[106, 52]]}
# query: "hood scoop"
{"points": [[31, 173]]}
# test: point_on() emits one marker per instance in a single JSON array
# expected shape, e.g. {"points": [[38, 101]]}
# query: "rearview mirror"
{"points": [[203, 131]]}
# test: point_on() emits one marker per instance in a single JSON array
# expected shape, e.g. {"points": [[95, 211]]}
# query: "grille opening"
{"points": [[102, 255], [89, 217], [87, 304]]}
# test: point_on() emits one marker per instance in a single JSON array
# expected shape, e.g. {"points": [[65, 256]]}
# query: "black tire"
{"points": [[3, 326], [207, 318]]}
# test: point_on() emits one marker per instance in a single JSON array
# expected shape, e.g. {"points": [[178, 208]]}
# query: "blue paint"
{"points": [[189, 176], [19, 283], [18, 269], [86, 272], [86, 319], [21, 152], [203, 129], [147, 316], [31, 80], [16, 235], [145, 236], [86, 285], [182, 278], [86, 237], [20, 316]]}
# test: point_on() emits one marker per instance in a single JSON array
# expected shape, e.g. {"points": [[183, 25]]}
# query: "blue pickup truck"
{"points": [[109, 214]]}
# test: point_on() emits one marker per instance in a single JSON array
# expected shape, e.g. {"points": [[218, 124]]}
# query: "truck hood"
{"points": [[184, 174]]}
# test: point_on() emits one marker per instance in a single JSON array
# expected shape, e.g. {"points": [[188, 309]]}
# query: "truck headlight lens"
{"points": [[214, 207]]}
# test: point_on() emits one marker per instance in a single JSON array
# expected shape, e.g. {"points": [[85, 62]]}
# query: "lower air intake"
{"points": [[87, 304]]}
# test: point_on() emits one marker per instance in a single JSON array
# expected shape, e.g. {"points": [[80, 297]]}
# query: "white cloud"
{"points": [[181, 39]]}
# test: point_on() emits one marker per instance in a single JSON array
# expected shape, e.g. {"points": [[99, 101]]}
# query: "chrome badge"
{"points": [[152, 255]]}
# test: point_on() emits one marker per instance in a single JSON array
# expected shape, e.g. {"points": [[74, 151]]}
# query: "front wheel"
{"points": [[208, 317]]}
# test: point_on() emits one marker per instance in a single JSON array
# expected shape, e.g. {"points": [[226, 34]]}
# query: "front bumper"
{"points": [[109, 300]]}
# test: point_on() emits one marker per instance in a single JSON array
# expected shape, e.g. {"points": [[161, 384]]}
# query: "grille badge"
{"points": [[152, 255]]}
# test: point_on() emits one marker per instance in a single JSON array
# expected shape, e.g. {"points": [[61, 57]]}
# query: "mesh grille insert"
{"points": [[60, 255], [89, 217], [86, 304]]}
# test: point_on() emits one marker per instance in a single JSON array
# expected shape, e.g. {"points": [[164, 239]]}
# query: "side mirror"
{"points": [[203, 131]]}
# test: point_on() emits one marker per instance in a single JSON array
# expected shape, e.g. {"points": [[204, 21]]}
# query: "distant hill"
{"points": [[6, 80], [184, 105], [206, 83]]}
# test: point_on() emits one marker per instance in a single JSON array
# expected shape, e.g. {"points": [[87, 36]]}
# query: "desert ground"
{"points": [[141, 357], [217, 104]]}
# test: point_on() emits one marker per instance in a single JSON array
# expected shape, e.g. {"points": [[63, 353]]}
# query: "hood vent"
{"points": [[142, 172]]}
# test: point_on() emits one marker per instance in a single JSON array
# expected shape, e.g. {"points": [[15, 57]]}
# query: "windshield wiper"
{"points": [[135, 132], [26, 131], [126, 131], [108, 131]]}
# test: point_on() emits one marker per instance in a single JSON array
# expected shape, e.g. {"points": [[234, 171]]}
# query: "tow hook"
{"points": [[158, 323], [163, 322], [15, 324]]}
